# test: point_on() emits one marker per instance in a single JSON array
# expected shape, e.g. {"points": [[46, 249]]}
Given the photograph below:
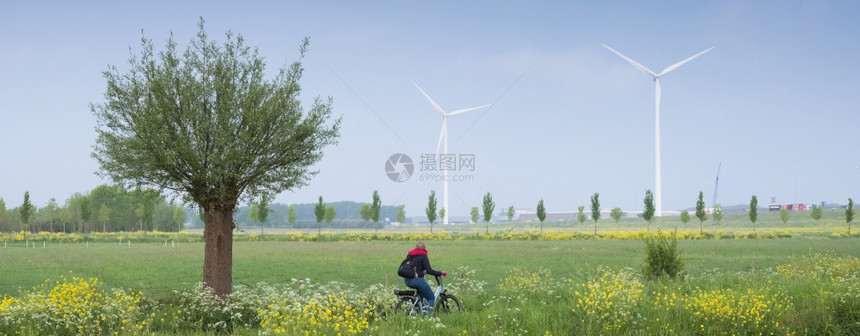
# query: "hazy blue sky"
{"points": [[777, 102]]}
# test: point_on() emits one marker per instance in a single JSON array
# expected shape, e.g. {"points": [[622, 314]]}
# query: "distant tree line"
{"points": [[344, 214], [112, 208], [107, 208]]}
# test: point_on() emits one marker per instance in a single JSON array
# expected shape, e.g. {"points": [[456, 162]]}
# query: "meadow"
{"points": [[800, 279]]}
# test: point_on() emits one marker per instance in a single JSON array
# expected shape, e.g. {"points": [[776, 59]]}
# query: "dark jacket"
{"points": [[422, 263]]}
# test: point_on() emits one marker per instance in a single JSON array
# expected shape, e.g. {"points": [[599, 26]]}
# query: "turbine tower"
{"points": [[656, 76], [717, 185], [444, 135]]}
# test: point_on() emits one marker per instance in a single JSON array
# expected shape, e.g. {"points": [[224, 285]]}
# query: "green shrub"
{"points": [[662, 257]]}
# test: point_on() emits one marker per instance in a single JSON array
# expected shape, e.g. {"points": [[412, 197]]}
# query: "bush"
{"points": [[73, 306], [662, 257]]}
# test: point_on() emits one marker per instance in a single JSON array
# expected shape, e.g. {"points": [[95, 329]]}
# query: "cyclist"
{"points": [[422, 267]]}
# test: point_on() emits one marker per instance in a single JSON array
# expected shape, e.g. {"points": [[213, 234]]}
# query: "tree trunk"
{"points": [[218, 252]]}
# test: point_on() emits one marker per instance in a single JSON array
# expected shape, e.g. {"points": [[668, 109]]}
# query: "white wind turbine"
{"points": [[444, 135], [656, 76]]}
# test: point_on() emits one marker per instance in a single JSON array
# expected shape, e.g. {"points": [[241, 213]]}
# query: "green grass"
{"points": [[712, 266], [158, 270]]}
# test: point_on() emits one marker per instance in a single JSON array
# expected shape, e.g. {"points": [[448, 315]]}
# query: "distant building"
{"points": [[791, 207], [531, 216]]}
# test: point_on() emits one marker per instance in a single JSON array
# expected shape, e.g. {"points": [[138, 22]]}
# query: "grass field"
{"points": [[156, 269], [804, 284]]}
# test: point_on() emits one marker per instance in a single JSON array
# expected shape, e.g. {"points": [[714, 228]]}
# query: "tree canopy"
{"points": [[430, 210], [595, 210], [700, 211], [541, 213], [648, 213], [753, 211], [488, 207], [207, 124]]}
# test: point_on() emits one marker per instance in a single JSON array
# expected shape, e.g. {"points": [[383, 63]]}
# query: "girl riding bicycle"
{"points": [[422, 266]]}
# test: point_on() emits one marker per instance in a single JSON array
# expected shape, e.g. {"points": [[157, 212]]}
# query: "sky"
{"points": [[774, 108]]}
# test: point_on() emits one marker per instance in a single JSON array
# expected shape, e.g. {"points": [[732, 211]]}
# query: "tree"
{"points": [[401, 214], [146, 201], [375, 208], [27, 210], [488, 206], [431, 209], [616, 213], [700, 212], [849, 214], [474, 214], [104, 216], [50, 213], [442, 212], [595, 210], [364, 212], [330, 214], [718, 213], [319, 212], [753, 212], [233, 134], [139, 210], [124, 214], [260, 212], [685, 217], [3, 215], [179, 218], [263, 211], [65, 216], [648, 213], [86, 212], [511, 213], [816, 212], [784, 215], [291, 215], [580, 215], [541, 213]]}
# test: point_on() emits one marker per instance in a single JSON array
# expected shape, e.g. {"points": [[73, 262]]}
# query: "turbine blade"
{"points": [[436, 106], [468, 109], [442, 134], [634, 63], [676, 65]]}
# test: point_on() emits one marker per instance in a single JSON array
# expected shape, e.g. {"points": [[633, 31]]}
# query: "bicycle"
{"points": [[409, 302]]}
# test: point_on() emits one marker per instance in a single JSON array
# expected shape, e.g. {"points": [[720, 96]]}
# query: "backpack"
{"points": [[407, 269]]}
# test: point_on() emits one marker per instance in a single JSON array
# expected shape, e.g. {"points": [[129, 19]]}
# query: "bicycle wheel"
{"points": [[406, 305], [448, 304]]}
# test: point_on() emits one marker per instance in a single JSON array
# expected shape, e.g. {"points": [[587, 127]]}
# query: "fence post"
{"points": [[752, 266], [463, 283], [387, 283]]}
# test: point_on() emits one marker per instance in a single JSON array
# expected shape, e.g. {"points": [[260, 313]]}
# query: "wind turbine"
{"points": [[444, 135], [656, 76]]}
